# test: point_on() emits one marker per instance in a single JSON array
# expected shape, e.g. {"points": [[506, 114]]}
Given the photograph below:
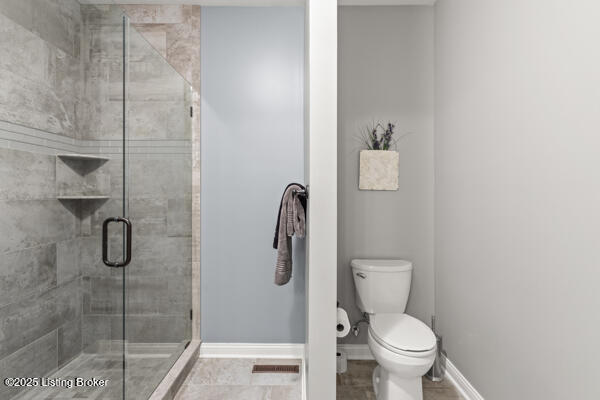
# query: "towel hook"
{"points": [[301, 192]]}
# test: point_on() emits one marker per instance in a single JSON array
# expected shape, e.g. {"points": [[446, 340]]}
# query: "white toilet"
{"points": [[403, 346]]}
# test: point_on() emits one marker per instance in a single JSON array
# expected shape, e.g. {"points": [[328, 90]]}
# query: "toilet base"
{"points": [[390, 387]]}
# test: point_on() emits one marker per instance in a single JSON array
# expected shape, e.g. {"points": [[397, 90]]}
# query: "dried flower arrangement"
{"points": [[379, 137], [379, 163]]}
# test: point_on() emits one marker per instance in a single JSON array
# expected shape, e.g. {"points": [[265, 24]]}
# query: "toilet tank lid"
{"points": [[382, 265]]}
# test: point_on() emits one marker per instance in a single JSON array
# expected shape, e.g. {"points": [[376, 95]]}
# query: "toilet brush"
{"points": [[438, 369]]}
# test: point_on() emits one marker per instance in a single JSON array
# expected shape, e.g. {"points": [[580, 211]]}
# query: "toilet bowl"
{"points": [[403, 346], [402, 359]]}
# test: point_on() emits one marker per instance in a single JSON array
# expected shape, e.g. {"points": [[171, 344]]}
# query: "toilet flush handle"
{"points": [[361, 275]]}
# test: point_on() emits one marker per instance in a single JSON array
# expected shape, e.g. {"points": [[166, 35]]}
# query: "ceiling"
{"points": [[265, 2], [386, 2]]}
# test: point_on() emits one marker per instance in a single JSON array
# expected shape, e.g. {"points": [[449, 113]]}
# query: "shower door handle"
{"points": [[127, 259]]}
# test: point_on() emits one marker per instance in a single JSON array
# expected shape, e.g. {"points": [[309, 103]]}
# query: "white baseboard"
{"points": [[462, 384], [252, 350], [356, 351], [304, 373]]}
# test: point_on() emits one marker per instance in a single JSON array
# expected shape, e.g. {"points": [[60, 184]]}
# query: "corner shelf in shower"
{"points": [[82, 157], [82, 177]]}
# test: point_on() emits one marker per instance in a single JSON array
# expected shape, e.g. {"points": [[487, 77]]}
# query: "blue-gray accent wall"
{"points": [[252, 147]]}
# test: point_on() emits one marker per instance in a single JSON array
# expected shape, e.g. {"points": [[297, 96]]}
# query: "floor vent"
{"points": [[275, 369]]}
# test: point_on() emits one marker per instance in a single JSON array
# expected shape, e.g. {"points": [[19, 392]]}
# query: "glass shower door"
{"points": [[146, 223], [106, 229], [157, 193]]}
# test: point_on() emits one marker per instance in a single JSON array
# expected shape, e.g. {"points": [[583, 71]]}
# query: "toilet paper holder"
{"points": [[356, 325], [355, 328], [343, 325]]}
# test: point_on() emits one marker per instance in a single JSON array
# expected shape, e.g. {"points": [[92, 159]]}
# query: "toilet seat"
{"points": [[402, 334]]}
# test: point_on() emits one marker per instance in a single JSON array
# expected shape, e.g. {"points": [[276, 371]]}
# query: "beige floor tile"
{"points": [[267, 379], [224, 392], [354, 393], [359, 373], [286, 392], [441, 394], [222, 371], [225, 379]]}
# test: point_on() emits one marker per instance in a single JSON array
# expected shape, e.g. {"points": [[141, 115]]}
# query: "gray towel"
{"points": [[291, 222]]}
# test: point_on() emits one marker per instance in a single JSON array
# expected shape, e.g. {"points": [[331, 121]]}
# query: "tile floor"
{"points": [[219, 379], [356, 384], [232, 379]]}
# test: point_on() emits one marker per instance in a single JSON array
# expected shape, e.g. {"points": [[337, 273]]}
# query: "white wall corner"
{"points": [[467, 391], [321, 275]]}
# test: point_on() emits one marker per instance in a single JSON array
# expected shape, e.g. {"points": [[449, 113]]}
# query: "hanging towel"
{"points": [[290, 221], [302, 202]]}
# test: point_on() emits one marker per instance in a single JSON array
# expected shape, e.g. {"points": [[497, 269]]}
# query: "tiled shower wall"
{"points": [[40, 280], [60, 92], [174, 32]]}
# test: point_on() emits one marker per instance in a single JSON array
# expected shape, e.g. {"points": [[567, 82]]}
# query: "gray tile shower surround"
{"points": [[60, 94]]}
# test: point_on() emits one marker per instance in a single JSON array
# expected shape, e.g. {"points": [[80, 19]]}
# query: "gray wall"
{"points": [[252, 147], [517, 195], [386, 73]]}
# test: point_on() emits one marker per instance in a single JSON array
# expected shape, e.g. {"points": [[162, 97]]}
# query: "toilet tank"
{"points": [[382, 286]]}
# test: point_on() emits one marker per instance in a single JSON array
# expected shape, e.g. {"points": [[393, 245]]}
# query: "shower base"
{"points": [[146, 365]]}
